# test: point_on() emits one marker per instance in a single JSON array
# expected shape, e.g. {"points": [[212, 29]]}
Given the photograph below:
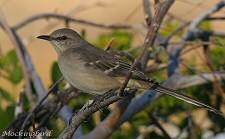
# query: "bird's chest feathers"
{"points": [[86, 79], [73, 70]]}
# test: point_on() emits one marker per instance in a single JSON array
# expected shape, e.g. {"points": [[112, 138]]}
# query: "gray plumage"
{"points": [[95, 71]]}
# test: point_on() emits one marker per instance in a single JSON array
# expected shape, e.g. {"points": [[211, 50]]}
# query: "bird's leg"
{"points": [[100, 98], [122, 94], [92, 101]]}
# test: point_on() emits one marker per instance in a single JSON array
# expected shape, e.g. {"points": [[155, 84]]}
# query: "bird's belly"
{"points": [[88, 81]]}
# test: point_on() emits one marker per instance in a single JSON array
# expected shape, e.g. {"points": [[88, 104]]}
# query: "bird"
{"points": [[95, 71]]}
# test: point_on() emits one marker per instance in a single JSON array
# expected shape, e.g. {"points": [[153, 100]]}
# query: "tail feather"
{"points": [[186, 98]]}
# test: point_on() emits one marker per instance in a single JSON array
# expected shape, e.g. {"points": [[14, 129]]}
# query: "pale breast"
{"points": [[86, 78]]}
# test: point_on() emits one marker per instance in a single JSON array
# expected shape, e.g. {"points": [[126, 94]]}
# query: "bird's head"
{"points": [[63, 39]]}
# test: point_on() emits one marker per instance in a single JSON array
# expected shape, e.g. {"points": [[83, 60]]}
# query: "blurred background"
{"points": [[111, 12]]}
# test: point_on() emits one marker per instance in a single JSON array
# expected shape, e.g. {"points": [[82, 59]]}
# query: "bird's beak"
{"points": [[45, 37]]}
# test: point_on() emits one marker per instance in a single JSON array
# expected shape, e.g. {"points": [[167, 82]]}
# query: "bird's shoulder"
{"points": [[113, 65], [103, 61]]}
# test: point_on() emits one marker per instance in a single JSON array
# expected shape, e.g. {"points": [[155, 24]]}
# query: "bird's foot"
{"points": [[123, 93], [96, 99]]}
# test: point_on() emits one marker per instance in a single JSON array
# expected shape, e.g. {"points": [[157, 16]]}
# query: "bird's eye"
{"points": [[64, 37]]}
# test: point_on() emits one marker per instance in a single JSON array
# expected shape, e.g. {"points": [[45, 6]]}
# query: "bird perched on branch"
{"points": [[96, 71]]}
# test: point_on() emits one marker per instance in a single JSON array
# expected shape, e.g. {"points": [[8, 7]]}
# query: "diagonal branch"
{"points": [[176, 82], [175, 51], [161, 10], [29, 71], [86, 111], [19, 52], [107, 126]]}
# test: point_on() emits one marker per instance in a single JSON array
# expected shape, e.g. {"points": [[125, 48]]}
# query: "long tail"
{"points": [[185, 98]]}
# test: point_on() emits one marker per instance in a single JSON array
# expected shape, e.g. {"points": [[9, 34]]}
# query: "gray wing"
{"points": [[113, 66]]}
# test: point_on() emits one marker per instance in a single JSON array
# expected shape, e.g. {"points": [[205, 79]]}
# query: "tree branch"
{"points": [[175, 51], [86, 111], [107, 126], [150, 37], [29, 71], [161, 9], [69, 19], [175, 82]]}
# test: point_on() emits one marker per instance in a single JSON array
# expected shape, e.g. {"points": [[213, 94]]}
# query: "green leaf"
{"points": [[6, 95], [56, 73], [16, 75], [218, 56], [122, 40], [206, 25], [9, 59], [6, 117], [168, 28], [10, 64]]}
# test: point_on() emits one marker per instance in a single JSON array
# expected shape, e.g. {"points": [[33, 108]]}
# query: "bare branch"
{"points": [[29, 71], [147, 9], [196, 22], [20, 54], [86, 111], [40, 103], [157, 124], [20, 104], [161, 9], [175, 51], [180, 28], [69, 19], [65, 113], [176, 82], [109, 44], [150, 37], [209, 61], [195, 80], [168, 38], [205, 32], [107, 126]]}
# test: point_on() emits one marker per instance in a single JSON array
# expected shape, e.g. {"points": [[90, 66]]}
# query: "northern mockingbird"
{"points": [[96, 71]]}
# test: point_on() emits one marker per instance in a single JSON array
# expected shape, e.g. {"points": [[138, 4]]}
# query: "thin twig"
{"points": [[29, 71], [109, 44], [150, 37], [40, 103], [169, 37], [147, 10], [175, 51], [86, 111], [209, 62], [20, 104], [161, 9], [35, 78], [107, 126], [195, 23], [176, 82], [157, 124], [20, 55], [70, 19]]}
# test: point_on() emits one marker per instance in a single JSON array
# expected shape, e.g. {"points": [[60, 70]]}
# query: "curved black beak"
{"points": [[45, 37]]}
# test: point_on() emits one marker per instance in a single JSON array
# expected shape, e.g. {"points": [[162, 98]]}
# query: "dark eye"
{"points": [[64, 37]]}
